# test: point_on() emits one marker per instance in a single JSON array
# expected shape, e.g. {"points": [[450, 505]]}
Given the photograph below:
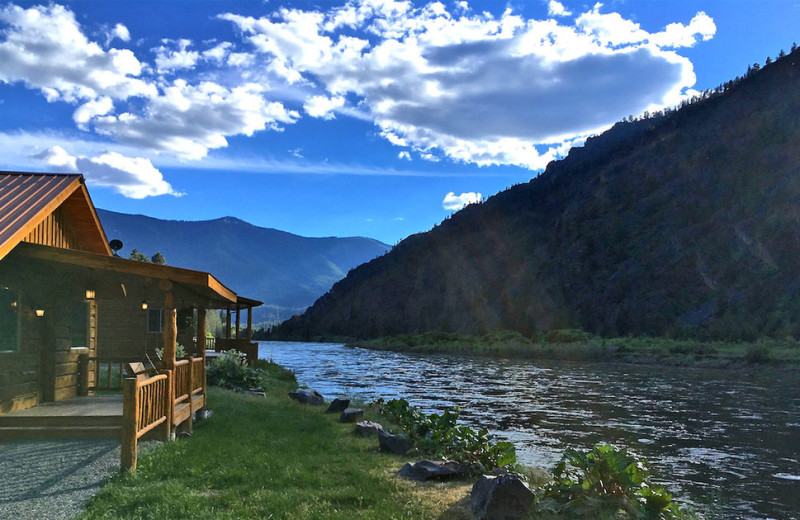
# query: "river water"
{"points": [[726, 442]]}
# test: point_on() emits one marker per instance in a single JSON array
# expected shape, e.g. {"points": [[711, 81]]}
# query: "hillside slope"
{"points": [[685, 224], [287, 272]]}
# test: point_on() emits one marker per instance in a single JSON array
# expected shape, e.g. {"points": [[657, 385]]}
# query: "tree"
{"points": [[139, 257], [158, 258]]}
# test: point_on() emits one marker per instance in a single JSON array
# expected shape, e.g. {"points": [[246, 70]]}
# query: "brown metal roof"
{"points": [[26, 199]]}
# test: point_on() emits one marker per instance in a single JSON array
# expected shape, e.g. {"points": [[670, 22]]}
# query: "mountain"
{"points": [[285, 271], [685, 224]]}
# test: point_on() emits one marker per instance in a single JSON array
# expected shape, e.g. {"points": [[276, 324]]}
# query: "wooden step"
{"points": [[59, 432], [88, 421]]}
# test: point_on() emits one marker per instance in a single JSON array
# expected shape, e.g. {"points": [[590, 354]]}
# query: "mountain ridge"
{"points": [[681, 224], [284, 270]]}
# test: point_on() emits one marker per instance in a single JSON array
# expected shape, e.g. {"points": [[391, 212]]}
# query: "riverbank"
{"points": [[270, 457], [573, 345]]}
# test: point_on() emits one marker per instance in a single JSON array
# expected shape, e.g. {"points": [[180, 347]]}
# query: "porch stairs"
{"points": [[75, 418], [60, 427]]}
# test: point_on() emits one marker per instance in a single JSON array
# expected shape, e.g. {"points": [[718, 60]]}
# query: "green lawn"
{"points": [[272, 458]]}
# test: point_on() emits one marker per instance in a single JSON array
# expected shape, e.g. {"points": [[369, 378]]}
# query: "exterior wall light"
{"points": [[90, 294], [144, 305], [39, 312]]}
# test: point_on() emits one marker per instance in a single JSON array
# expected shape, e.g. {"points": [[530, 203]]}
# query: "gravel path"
{"points": [[53, 479]]}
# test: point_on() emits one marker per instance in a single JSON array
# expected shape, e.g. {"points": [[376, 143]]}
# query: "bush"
{"points": [[230, 370], [605, 482], [559, 336], [180, 352], [439, 435]]}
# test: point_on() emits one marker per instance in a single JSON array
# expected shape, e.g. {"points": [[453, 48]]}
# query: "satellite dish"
{"points": [[115, 246]]}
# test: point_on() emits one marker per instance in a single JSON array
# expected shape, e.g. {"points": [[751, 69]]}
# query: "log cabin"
{"points": [[74, 317]]}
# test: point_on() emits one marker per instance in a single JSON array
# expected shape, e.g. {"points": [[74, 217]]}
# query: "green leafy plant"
{"points": [[180, 352], [439, 434], [606, 482], [230, 370]]}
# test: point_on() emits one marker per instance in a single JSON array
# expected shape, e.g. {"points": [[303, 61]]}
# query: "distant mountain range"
{"points": [[685, 223], [285, 271]]}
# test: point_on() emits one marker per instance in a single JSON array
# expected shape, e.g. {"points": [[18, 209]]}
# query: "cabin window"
{"points": [[153, 320], [79, 324], [9, 320]]}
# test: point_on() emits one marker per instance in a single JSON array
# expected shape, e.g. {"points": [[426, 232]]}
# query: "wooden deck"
{"points": [[76, 418]]}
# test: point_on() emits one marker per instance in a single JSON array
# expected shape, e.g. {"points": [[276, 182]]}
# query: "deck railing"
{"points": [[109, 373], [183, 380], [145, 406]]}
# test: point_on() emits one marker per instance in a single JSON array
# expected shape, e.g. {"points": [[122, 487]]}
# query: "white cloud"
{"points": [[322, 106], [453, 202], [169, 60], [135, 178], [474, 87], [44, 48], [557, 9], [97, 107], [188, 120], [121, 32], [404, 155]]}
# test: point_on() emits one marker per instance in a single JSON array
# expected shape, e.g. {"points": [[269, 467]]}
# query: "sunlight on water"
{"points": [[725, 442]]}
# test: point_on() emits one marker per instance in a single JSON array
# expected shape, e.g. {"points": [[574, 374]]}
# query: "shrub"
{"points": [[439, 435], [757, 354], [230, 370], [180, 352], [558, 336], [605, 482]]}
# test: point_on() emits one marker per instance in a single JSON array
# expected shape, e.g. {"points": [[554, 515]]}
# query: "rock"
{"points": [[397, 444], [432, 469], [307, 396], [505, 497], [351, 415], [338, 405], [367, 428]]}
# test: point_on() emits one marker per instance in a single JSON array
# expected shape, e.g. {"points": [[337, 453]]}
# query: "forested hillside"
{"points": [[686, 223]]}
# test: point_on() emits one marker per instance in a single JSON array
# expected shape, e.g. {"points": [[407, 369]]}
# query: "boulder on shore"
{"points": [[367, 428], [351, 415], [395, 443], [432, 469], [504, 497], [307, 396], [338, 405]]}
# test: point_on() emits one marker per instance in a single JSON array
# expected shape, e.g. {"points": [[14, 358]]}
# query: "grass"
{"points": [[273, 458], [574, 345]]}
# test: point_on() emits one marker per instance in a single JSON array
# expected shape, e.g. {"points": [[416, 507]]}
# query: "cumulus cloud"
{"points": [[172, 59], [60, 61], [121, 32], [127, 100], [474, 87], [404, 155], [133, 177], [322, 106], [453, 202], [188, 120], [557, 9]]}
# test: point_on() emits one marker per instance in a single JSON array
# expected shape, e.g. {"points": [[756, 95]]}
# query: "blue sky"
{"points": [[374, 118]]}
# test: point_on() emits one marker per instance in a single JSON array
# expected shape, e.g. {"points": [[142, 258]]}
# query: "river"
{"points": [[725, 442]]}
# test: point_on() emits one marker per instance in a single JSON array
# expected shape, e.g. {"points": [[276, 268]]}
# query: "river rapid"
{"points": [[725, 442]]}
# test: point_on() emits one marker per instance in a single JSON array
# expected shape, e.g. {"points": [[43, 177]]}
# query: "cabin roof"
{"points": [[26, 199], [208, 290]]}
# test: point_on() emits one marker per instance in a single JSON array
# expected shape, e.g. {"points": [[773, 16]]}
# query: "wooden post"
{"points": [[238, 312], [169, 395], [169, 332], [228, 323], [130, 414], [200, 345], [249, 323], [83, 375]]}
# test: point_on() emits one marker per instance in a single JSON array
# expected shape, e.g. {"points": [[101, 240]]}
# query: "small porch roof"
{"points": [[207, 290]]}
